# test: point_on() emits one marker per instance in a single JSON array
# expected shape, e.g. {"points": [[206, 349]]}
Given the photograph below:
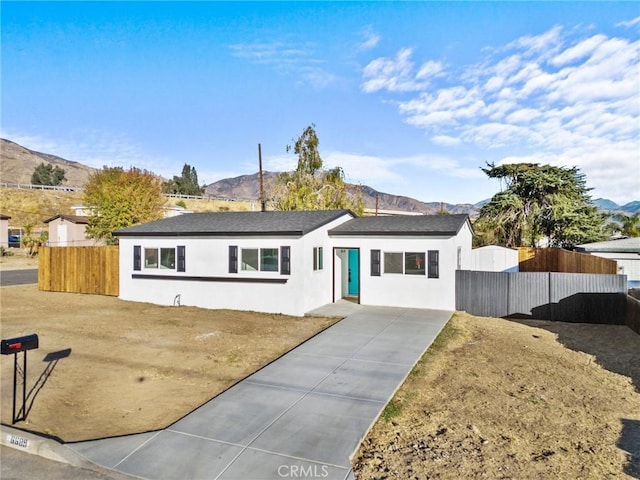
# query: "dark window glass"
{"points": [[392, 262], [414, 263], [269, 259]]}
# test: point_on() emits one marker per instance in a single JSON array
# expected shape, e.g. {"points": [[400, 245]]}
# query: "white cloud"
{"points": [[445, 140], [371, 39], [581, 50], [288, 59], [280, 163], [543, 45], [569, 98], [524, 115], [630, 23], [97, 149], [399, 74]]}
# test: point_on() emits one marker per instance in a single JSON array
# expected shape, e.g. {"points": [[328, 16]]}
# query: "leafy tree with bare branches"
{"points": [[120, 199], [310, 186]]}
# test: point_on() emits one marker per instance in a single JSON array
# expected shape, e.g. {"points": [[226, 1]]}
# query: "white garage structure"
{"points": [[625, 251]]}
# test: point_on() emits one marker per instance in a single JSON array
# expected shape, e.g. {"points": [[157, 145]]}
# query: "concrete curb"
{"points": [[52, 450]]}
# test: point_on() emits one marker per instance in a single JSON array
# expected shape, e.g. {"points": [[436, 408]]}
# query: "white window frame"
{"points": [[260, 263], [158, 265]]}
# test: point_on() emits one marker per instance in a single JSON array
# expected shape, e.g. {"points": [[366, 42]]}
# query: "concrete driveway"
{"points": [[302, 416]]}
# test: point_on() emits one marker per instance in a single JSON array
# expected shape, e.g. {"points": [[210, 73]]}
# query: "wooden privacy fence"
{"points": [[79, 269], [559, 260]]}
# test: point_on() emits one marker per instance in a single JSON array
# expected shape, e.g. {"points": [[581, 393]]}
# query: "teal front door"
{"points": [[354, 272]]}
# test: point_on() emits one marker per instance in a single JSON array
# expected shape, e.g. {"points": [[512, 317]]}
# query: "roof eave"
{"points": [[369, 233], [208, 234]]}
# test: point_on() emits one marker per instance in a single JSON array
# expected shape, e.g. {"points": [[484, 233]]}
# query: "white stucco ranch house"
{"points": [[293, 262]]}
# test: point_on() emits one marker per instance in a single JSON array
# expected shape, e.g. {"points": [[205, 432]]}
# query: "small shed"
{"points": [[494, 258], [4, 230], [68, 231]]}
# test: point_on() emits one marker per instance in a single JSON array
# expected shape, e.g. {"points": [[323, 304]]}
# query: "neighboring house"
{"points": [[68, 231], [494, 258], [625, 251], [174, 210], [4, 230], [294, 262]]}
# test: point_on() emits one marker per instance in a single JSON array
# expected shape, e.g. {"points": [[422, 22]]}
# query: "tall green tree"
{"points": [[629, 225], [540, 201], [186, 184], [310, 186], [47, 174], [120, 199]]}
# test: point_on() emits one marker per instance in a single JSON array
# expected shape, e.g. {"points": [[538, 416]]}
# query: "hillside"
{"points": [[248, 187], [18, 164], [33, 206]]}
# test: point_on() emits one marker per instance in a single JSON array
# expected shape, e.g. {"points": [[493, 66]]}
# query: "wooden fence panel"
{"points": [[564, 261], [92, 270]]}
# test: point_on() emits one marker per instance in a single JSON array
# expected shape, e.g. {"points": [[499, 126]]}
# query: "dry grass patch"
{"points": [[26, 206], [499, 399], [133, 367]]}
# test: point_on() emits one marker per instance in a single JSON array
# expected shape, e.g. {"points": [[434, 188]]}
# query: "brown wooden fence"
{"points": [[559, 260], [79, 270]]}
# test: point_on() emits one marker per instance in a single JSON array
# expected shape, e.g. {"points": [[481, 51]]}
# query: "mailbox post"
{"points": [[14, 346]]}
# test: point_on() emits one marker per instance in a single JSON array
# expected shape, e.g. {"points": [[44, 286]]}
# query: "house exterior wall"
{"points": [[208, 258], [4, 232], [63, 233], [412, 291], [628, 263], [494, 258]]}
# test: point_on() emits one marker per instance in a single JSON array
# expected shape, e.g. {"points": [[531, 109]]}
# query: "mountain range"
{"points": [[18, 164]]}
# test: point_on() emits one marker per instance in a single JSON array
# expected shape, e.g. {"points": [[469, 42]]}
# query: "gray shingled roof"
{"points": [[295, 223], [80, 219], [623, 245], [414, 225]]}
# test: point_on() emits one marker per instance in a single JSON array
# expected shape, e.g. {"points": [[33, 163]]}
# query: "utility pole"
{"points": [[263, 202]]}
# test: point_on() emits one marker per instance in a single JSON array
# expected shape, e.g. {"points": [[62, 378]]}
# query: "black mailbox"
{"points": [[19, 344]]}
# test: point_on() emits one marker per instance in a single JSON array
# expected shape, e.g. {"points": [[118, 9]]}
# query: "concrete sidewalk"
{"points": [[302, 416]]}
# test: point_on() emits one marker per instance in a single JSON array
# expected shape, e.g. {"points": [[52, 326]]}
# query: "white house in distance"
{"points": [[625, 251], [294, 262]]}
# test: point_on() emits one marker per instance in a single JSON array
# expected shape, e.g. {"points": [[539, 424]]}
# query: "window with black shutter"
{"points": [[375, 263], [233, 259], [137, 257], [432, 258], [285, 260], [181, 259]]}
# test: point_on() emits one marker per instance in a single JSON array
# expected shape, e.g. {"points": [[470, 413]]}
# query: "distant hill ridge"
{"points": [[18, 164]]}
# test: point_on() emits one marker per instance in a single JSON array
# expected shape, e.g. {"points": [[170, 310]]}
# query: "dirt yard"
{"points": [[108, 367], [501, 399], [17, 260]]}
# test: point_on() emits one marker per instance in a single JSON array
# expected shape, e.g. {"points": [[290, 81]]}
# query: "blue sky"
{"points": [[410, 98]]}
